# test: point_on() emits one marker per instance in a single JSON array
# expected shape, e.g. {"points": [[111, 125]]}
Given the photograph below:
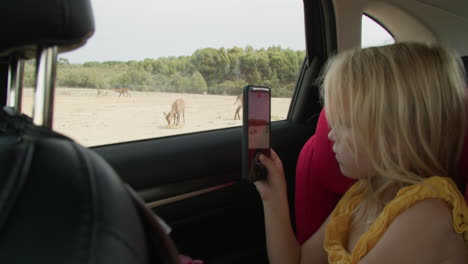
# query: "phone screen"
{"points": [[258, 129]]}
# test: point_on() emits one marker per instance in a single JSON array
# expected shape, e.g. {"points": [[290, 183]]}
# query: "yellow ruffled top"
{"points": [[336, 233]]}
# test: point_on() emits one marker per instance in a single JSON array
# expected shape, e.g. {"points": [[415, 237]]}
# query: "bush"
{"points": [[229, 87]]}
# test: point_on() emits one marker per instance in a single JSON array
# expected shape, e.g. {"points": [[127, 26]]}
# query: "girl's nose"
{"points": [[331, 135]]}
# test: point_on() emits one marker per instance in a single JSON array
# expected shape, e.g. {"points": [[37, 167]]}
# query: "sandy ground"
{"points": [[98, 120]]}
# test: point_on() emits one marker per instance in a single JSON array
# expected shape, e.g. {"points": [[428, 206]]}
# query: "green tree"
{"points": [[198, 83], [29, 74], [249, 69], [217, 71], [92, 64], [179, 83], [228, 87], [263, 65], [211, 64], [273, 83]]}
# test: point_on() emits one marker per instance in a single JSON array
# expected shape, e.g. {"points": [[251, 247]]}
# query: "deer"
{"points": [[101, 92], [122, 91], [239, 107], [177, 109]]}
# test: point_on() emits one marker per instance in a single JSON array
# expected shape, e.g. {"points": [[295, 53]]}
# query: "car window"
{"points": [[183, 61], [374, 34]]}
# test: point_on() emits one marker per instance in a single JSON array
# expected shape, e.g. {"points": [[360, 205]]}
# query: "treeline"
{"points": [[209, 70]]}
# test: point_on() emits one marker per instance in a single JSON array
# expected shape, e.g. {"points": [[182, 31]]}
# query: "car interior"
{"points": [[60, 201]]}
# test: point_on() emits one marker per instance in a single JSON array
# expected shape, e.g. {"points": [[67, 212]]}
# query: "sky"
{"points": [[140, 29]]}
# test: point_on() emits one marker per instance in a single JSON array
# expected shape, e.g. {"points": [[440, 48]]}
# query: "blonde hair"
{"points": [[405, 106]]}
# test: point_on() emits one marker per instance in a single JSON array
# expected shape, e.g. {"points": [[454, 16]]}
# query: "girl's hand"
{"points": [[274, 187]]}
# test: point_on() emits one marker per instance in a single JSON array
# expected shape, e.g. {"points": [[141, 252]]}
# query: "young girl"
{"points": [[397, 118]]}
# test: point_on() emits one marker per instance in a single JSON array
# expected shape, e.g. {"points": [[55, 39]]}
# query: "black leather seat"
{"points": [[61, 202]]}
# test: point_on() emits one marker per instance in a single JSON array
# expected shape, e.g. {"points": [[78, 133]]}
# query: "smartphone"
{"points": [[256, 131]]}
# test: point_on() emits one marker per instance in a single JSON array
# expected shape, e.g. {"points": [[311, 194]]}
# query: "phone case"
{"points": [[260, 170]]}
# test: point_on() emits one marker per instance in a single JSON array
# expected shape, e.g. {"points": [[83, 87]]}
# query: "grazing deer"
{"points": [[122, 91], [239, 107], [101, 92], [178, 108]]}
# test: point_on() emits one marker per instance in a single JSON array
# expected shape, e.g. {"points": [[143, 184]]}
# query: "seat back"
{"points": [[59, 201], [320, 184]]}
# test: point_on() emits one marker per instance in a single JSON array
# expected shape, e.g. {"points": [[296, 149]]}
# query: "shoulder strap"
{"points": [[12, 182], [162, 249]]}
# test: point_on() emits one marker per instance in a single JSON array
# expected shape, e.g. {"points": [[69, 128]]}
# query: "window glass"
{"points": [[374, 34], [124, 83]]}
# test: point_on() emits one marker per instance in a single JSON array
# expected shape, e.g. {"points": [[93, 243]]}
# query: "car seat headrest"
{"points": [[28, 24]]}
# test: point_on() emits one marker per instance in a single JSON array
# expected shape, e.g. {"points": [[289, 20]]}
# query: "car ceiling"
{"points": [[408, 20]]}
